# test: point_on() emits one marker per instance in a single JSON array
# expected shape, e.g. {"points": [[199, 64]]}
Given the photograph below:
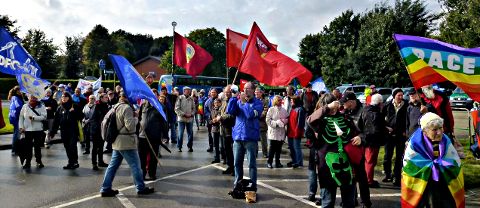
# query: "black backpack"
{"points": [[241, 186], [109, 128]]}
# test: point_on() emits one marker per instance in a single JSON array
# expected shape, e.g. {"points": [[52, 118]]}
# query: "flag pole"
{"points": [[173, 47], [235, 77]]}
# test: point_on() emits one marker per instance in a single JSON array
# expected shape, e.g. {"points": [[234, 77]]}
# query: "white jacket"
{"points": [[26, 123], [277, 119]]}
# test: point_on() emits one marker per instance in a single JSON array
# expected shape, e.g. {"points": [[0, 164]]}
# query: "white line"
{"points": [[284, 180], [124, 200], [371, 195], [278, 190], [129, 187]]}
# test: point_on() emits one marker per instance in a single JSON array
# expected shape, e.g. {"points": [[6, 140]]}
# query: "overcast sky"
{"points": [[283, 22]]}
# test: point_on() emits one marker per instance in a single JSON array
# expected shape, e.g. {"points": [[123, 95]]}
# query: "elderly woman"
{"points": [[276, 119], [432, 174]]}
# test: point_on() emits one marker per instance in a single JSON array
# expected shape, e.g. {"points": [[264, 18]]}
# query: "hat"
{"points": [[348, 96], [61, 85], [427, 118], [372, 86], [187, 88], [122, 94], [395, 91], [163, 88], [412, 92]]}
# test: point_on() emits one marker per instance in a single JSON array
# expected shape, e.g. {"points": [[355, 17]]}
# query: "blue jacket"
{"points": [[247, 124], [16, 105], [206, 108]]}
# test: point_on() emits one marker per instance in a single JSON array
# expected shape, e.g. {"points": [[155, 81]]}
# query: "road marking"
{"points": [[284, 180], [129, 187], [371, 195], [124, 200], [293, 196]]}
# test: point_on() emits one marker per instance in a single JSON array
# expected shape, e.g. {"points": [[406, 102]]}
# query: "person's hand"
{"points": [[243, 97], [22, 130], [334, 106], [72, 109], [49, 108], [187, 115], [389, 129], [356, 140], [423, 109]]}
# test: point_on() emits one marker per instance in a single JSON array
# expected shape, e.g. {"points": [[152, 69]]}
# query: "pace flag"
{"points": [[190, 56], [32, 85], [431, 61], [133, 84], [14, 58], [262, 60]]}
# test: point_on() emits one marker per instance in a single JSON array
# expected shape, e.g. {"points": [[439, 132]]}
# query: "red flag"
{"points": [[242, 84], [190, 56], [262, 60], [235, 43]]}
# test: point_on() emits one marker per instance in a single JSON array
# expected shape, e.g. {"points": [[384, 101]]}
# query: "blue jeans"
{"points": [[312, 172], [328, 195], [181, 126], [15, 138], [133, 160], [295, 151], [239, 150], [173, 130]]}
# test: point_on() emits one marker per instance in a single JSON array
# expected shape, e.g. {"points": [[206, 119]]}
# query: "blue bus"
{"points": [[200, 82]]}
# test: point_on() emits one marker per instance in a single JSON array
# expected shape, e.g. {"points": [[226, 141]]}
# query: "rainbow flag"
{"points": [[431, 61], [420, 165]]}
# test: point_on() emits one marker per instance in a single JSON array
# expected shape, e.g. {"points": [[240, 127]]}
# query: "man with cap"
{"points": [[172, 121], [395, 112], [185, 109], [415, 110]]}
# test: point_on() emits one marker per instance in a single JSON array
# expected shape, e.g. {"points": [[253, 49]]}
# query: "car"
{"points": [[405, 90], [357, 89], [384, 91], [460, 99]]}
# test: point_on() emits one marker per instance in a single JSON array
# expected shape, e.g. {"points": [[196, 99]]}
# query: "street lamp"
{"points": [[173, 48]]}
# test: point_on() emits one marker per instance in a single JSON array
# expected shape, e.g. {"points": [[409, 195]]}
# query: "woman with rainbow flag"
{"points": [[432, 174]]}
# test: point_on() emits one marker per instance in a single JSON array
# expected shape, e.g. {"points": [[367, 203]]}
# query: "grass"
{"points": [[8, 129], [471, 166]]}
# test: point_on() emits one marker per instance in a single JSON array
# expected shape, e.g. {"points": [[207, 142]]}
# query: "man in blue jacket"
{"points": [[246, 131]]}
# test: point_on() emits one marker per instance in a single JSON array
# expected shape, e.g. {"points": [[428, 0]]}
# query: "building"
{"points": [[149, 65]]}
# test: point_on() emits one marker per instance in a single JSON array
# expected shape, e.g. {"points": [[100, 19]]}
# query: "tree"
{"points": [[161, 45], [73, 57], [460, 25], [166, 63], [309, 55], [213, 41], [96, 46], [43, 51], [124, 47], [140, 42], [9, 25]]}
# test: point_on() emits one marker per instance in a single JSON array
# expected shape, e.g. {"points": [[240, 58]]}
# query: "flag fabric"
{"points": [[431, 61], [190, 56], [14, 59], [83, 84], [319, 85], [133, 84], [32, 85], [262, 60], [419, 165], [242, 84], [236, 43]]}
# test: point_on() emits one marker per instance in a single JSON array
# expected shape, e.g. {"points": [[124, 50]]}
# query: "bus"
{"points": [[200, 82]]}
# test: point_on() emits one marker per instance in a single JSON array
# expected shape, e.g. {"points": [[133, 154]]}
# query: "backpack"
{"points": [[241, 186], [109, 128]]}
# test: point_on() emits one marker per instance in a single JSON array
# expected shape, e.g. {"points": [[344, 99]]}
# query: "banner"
{"points": [[190, 56], [431, 61], [14, 58], [32, 85], [133, 84], [83, 84], [319, 85], [262, 60], [236, 44]]}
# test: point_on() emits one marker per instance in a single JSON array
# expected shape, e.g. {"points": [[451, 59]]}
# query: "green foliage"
{"points": [[43, 51], [9, 25], [72, 65], [96, 46], [124, 47], [461, 23], [213, 41], [161, 45], [309, 54]]}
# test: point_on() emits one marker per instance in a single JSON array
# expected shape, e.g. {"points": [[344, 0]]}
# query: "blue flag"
{"points": [[32, 85], [319, 85], [14, 59], [133, 84]]}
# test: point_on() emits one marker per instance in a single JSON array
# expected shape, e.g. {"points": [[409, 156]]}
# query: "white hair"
{"points": [[376, 99]]}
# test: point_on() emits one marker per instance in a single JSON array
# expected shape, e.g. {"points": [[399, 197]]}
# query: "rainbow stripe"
{"points": [[418, 169], [431, 61]]}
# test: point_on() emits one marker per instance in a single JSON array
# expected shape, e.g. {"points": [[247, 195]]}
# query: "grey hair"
{"points": [[376, 99], [435, 122]]}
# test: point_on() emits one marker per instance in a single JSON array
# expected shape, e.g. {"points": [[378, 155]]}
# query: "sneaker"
{"points": [[146, 191], [269, 166], [396, 183], [109, 193], [95, 167], [102, 164], [180, 150], [278, 165], [210, 149], [387, 179], [190, 150], [40, 165], [311, 197], [227, 171], [289, 164], [295, 166], [318, 202], [75, 166]]}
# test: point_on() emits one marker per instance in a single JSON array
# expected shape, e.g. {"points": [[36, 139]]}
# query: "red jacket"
{"points": [[442, 109], [296, 123]]}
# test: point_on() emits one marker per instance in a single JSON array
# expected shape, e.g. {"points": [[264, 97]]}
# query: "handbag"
{"points": [[354, 152], [44, 122]]}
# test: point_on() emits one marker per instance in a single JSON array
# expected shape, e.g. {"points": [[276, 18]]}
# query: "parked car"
{"points": [[384, 91], [405, 90], [357, 89], [460, 99]]}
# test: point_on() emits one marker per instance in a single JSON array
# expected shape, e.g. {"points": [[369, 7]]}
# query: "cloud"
{"points": [[283, 22]]}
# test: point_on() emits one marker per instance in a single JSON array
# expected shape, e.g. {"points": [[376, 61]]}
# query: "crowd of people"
{"points": [[343, 135]]}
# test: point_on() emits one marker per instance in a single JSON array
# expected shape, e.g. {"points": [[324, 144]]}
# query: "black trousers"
{"points": [[143, 151], [210, 136], [216, 142], [70, 140], [275, 150], [396, 143], [97, 148], [361, 179], [34, 139], [86, 136], [228, 141]]}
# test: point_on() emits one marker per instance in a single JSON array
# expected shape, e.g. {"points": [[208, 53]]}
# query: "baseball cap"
{"points": [[61, 85], [348, 96]]}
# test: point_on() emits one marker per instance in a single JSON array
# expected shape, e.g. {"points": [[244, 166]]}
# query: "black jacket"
{"points": [[372, 125], [50, 102], [309, 106], [67, 121], [396, 119], [99, 112], [413, 118], [155, 127]]}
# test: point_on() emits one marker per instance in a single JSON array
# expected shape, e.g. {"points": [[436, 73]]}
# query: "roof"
{"points": [[147, 58]]}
